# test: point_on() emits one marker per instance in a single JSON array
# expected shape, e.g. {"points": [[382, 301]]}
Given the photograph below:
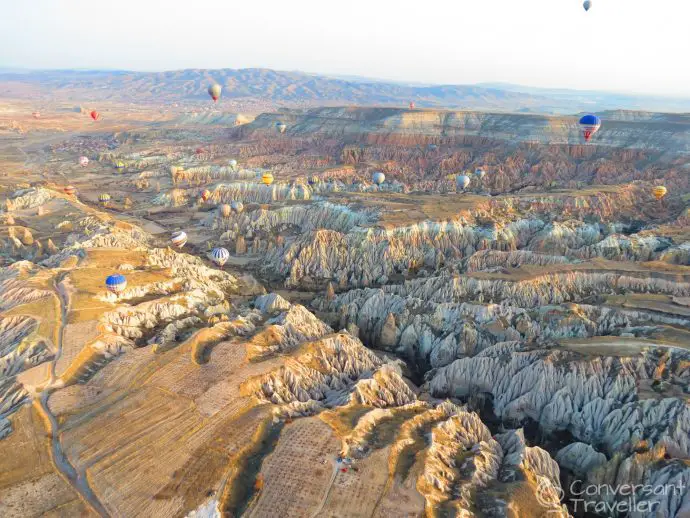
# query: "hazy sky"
{"points": [[621, 45]]}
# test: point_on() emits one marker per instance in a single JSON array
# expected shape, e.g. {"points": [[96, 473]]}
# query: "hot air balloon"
{"points": [[432, 147], [36, 115], [587, 5], [480, 173], [237, 206], [313, 180], [233, 163], [411, 105], [178, 239], [225, 210], [104, 198], [659, 191], [462, 182], [589, 124], [205, 194], [378, 177], [199, 151], [281, 127], [116, 283], [119, 165], [220, 256], [83, 161], [214, 91], [95, 115], [70, 190], [267, 178]]}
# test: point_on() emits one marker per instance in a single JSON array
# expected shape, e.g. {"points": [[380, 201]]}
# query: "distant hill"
{"points": [[300, 89]]}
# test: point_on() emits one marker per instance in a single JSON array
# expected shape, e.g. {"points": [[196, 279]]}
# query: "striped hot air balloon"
{"points": [[281, 127], [659, 191], [462, 182], [205, 194], [237, 206], [83, 161], [70, 190], [220, 256], [119, 165], [589, 125], [104, 198], [313, 180], [378, 178], [116, 283], [267, 178], [178, 239]]}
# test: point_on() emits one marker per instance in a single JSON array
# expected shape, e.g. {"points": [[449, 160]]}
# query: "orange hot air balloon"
{"points": [[205, 194], [94, 115], [70, 190], [659, 191]]}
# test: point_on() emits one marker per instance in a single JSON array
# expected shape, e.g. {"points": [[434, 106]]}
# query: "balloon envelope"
{"points": [[214, 91], [83, 161], [267, 178], [220, 256], [205, 194], [659, 191], [237, 206], [589, 124], [587, 5], [281, 127], [378, 178], [70, 190], [94, 115], [179, 239], [462, 181], [116, 283], [480, 172]]}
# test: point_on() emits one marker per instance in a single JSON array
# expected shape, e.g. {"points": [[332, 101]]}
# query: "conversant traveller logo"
{"points": [[606, 499]]}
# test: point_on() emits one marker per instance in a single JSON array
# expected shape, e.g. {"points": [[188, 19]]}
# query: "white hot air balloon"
{"points": [[237, 206], [220, 256], [179, 239], [233, 163], [480, 173], [462, 182], [378, 177]]}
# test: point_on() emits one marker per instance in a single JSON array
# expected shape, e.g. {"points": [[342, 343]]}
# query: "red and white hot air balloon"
{"points": [[205, 194], [95, 115]]}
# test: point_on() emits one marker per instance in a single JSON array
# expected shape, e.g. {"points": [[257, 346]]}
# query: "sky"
{"points": [[628, 46]]}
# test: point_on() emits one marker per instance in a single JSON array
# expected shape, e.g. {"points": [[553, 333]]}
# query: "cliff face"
{"points": [[668, 133]]}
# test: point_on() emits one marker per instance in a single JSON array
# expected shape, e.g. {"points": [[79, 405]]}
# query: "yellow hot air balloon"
{"points": [[659, 191], [267, 179]]}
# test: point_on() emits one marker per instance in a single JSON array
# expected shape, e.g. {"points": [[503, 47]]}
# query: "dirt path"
{"points": [[76, 478]]}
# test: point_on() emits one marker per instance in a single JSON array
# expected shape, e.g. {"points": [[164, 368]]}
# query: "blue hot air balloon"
{"points": [[589, 124], [587, 5], [116, 283], [220, 256]]}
